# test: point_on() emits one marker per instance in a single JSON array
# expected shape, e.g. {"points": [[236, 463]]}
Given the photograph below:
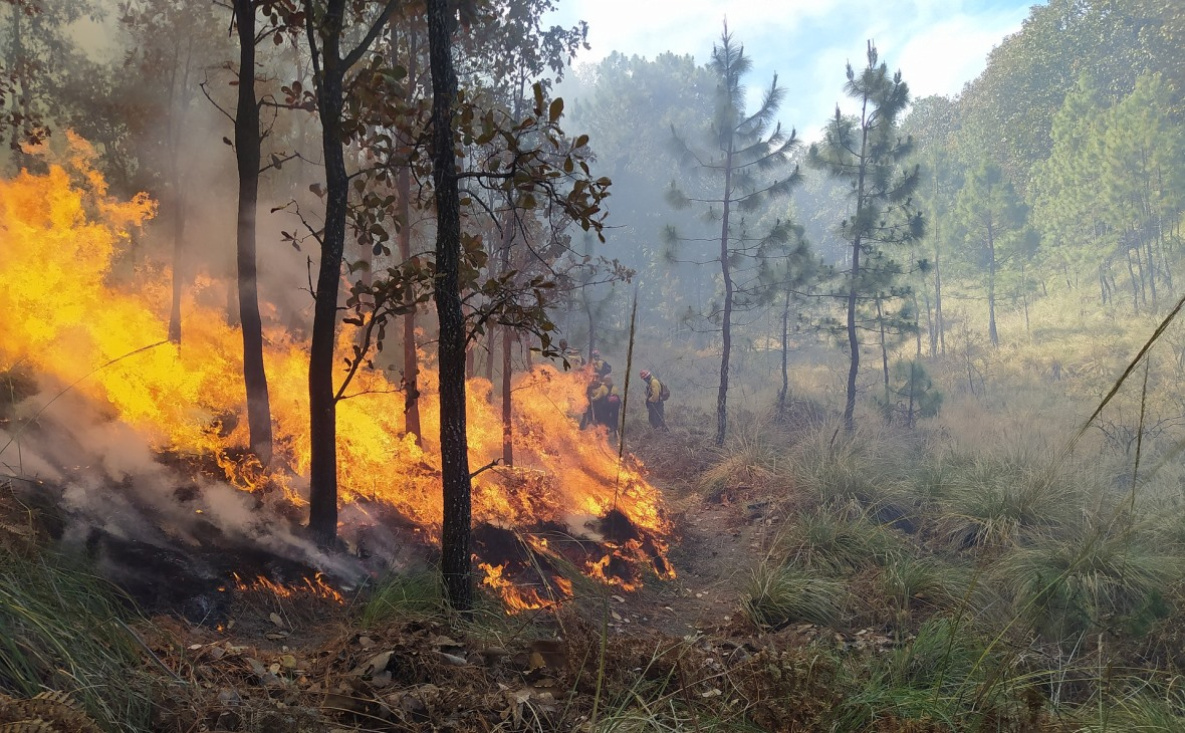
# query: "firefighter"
{"points": [[595, 392], [655, 405], [611, 408], [601, 368]]}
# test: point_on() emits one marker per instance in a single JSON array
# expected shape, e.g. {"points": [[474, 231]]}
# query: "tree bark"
{"points": [[411, 362], [880, 320], [939, 324], [247, 154], [176, 120], [784, 393], [322, 405], [454, 457], [726, 321], [507, 395], [849, 409], [991, 243]]}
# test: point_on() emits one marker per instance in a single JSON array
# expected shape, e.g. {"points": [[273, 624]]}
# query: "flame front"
{"points": [[74, 311]]}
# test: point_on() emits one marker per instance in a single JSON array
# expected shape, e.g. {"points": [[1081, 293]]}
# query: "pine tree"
{"points": [[992, 217], [744, 157], [866, 151]]}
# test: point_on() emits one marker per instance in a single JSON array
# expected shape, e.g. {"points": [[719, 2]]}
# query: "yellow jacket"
{"points": [[600, 392], [653, 390]]}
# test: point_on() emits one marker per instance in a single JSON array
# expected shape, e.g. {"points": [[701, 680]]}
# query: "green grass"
{"points": [[996, 502], [781, 596], [1088, 581], [830, 543], [906, 580], [403, 596], [62, 628]]}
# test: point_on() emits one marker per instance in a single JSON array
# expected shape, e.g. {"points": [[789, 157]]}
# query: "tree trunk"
{"points": [[939, 323], [991, 243], [726, 321], [917, 326], [930, 327], [179, 263], [1131, 273], [491, 333], [507, 395], [1151, 272], [784, 393], [411, 362], [849, 409], [880, 320], [1141, 278], [322, 405], [457, 483], [247, 154]]}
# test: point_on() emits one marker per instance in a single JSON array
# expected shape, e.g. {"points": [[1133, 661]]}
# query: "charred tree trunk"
{"points": [[457, 483], [174, 134], [411, 361], [507, 406], [322, 405], [508, 228], [179, 263], [247, 154]]}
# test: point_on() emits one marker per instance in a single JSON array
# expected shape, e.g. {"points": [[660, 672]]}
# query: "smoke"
{"points": [[105, 476]]}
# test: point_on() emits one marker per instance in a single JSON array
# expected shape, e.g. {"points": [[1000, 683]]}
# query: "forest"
{"points": [[370, 365]]}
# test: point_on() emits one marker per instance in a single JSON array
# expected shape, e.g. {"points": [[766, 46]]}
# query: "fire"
{"points": [[518, 598], [74, 310], [315, 586]]}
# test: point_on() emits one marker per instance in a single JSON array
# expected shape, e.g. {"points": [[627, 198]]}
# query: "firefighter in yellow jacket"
{"points": [[655, 404]]}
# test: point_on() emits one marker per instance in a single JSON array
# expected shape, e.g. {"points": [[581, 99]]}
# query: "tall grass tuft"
{"points": [[1087, 580], [62, 628], [996, 502], [781, 596], [869, 469], [403, 596], [750, 455], [834, 544]]}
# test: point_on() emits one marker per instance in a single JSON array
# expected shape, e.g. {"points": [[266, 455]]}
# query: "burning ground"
{"points": [[141, 441]]}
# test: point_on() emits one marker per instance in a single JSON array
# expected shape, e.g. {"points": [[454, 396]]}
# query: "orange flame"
{"points": [[520, 598], [315, 586], [71, 309]]}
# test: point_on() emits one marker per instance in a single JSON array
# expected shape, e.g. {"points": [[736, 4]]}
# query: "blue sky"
{"points": [[937, 44]]}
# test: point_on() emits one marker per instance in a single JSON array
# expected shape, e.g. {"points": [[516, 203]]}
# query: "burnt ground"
{"points": [[285, 654]]}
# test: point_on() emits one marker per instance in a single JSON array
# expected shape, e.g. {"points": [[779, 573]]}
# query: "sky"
{"points": [[938, 45]]}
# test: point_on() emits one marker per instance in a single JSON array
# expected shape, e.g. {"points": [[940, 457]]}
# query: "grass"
{"points": [[907, 580], [995, 502], [64, 629], [1087, 582], [403, 596], [781, 596], [830, 543]]}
